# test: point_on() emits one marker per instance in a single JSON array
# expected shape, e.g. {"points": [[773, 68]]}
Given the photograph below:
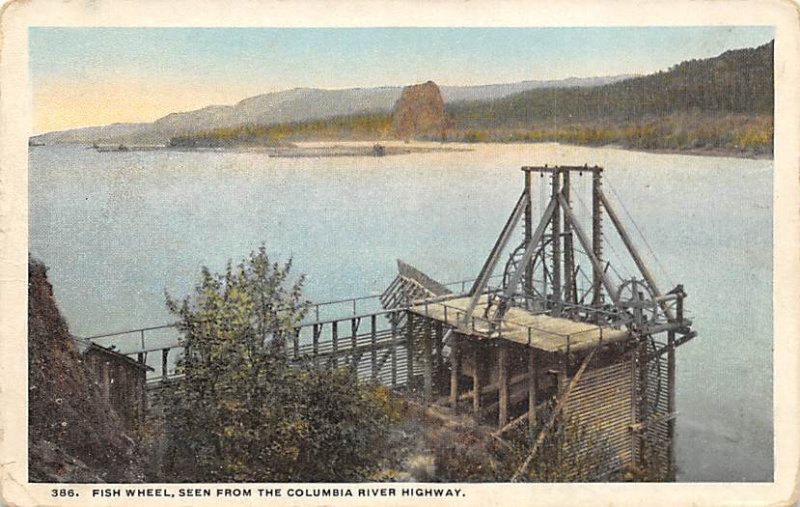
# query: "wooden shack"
{"points": [[121, 379]]}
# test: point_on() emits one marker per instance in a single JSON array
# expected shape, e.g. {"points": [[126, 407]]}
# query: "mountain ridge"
{"points": [[292, 105]]}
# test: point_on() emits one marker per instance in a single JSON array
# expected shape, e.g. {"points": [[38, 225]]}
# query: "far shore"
{"points": [[378, 148]]}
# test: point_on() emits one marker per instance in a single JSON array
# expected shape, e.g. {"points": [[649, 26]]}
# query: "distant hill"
{"points": [[718, 105], [737, 81], [296, 105]]}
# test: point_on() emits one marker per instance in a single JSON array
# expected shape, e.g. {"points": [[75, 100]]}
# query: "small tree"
{"points": [[242, 412]]}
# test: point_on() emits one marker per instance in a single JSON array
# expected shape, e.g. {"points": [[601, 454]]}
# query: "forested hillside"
{"points": [[739, 81], [717, 105]]}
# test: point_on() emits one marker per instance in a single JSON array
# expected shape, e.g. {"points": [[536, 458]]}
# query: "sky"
{"points": [[96, 76]]}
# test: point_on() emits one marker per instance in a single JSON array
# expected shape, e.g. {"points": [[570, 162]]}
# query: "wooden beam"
{"points": [[533, 244], [517, 421], [490, 388], [528, 283], [533, 387], [502, 381], [584, 240], [409, 350], [455, 365], [495, 255], [597, 236], [555, 244], [164, 361], [559, 407], [427, 361], [636, 257], [438, 367], [570, 285]]}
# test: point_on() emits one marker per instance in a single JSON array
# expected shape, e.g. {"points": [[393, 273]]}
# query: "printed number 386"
{"points": [[63, 492]]}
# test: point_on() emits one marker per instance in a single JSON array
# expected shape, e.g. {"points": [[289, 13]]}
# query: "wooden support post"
{"points": [[528, 283], [597, 236], [502, 381], [296, 344], [476, 380], [555, 228], [354, 359], [140, 357], [315, 332], [335, 343], [164, 360], [355, 323], [373, 340], [670, 404], [562, 374], [107, 380], [564, 396], [394, 352], [427, 361], [533, 388], [455, 365], [438, 367], [570, 295], [409, 350]]}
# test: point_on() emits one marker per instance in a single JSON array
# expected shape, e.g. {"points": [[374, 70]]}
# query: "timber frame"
{"points": [[513, 352]]}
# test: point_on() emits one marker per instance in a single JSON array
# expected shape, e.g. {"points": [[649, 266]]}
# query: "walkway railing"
{"points": [[319, 337]]}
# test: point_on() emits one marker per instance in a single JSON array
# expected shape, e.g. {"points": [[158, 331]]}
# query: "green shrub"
{"points": [[242, 412]]}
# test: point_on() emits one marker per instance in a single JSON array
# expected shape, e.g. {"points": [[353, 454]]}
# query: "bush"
{"points": [[242, 412]]}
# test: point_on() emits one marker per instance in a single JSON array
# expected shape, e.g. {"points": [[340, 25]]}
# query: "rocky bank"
{"points": [[73, 433]]}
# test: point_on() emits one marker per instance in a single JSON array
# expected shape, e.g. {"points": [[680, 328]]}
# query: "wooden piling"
{"points": [[438, 366], [164, 360], [502, 381], [455, 365], [533, 388], [476, 381]]}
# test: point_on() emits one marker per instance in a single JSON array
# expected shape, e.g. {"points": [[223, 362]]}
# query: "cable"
{"points": [[644, 239], [610, 245]]}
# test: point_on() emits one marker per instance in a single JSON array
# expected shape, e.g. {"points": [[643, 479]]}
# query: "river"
{"points": [[117, 230]]}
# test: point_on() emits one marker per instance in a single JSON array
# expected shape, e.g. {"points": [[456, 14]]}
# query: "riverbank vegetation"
{"points": [[716, 105]]}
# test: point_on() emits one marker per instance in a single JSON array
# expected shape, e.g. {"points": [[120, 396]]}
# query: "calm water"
{"points": [[118, 229]]}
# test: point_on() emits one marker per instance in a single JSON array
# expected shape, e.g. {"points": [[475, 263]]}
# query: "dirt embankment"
{"points": [[74, 434]]}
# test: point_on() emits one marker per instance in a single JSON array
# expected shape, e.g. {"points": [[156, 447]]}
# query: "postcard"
{"points": [[399, 253]]}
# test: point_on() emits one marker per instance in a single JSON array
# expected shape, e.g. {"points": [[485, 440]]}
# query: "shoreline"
{"points": [[345, 148]]}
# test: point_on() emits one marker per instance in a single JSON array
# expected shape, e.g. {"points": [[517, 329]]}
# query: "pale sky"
{"points": [[96, 76]]}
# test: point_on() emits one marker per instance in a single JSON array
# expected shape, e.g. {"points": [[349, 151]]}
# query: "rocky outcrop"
{"points": [[420, 114], [73, 433]]}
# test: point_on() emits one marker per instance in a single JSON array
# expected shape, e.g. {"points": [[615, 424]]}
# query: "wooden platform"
{"points": [[538, 331]]}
